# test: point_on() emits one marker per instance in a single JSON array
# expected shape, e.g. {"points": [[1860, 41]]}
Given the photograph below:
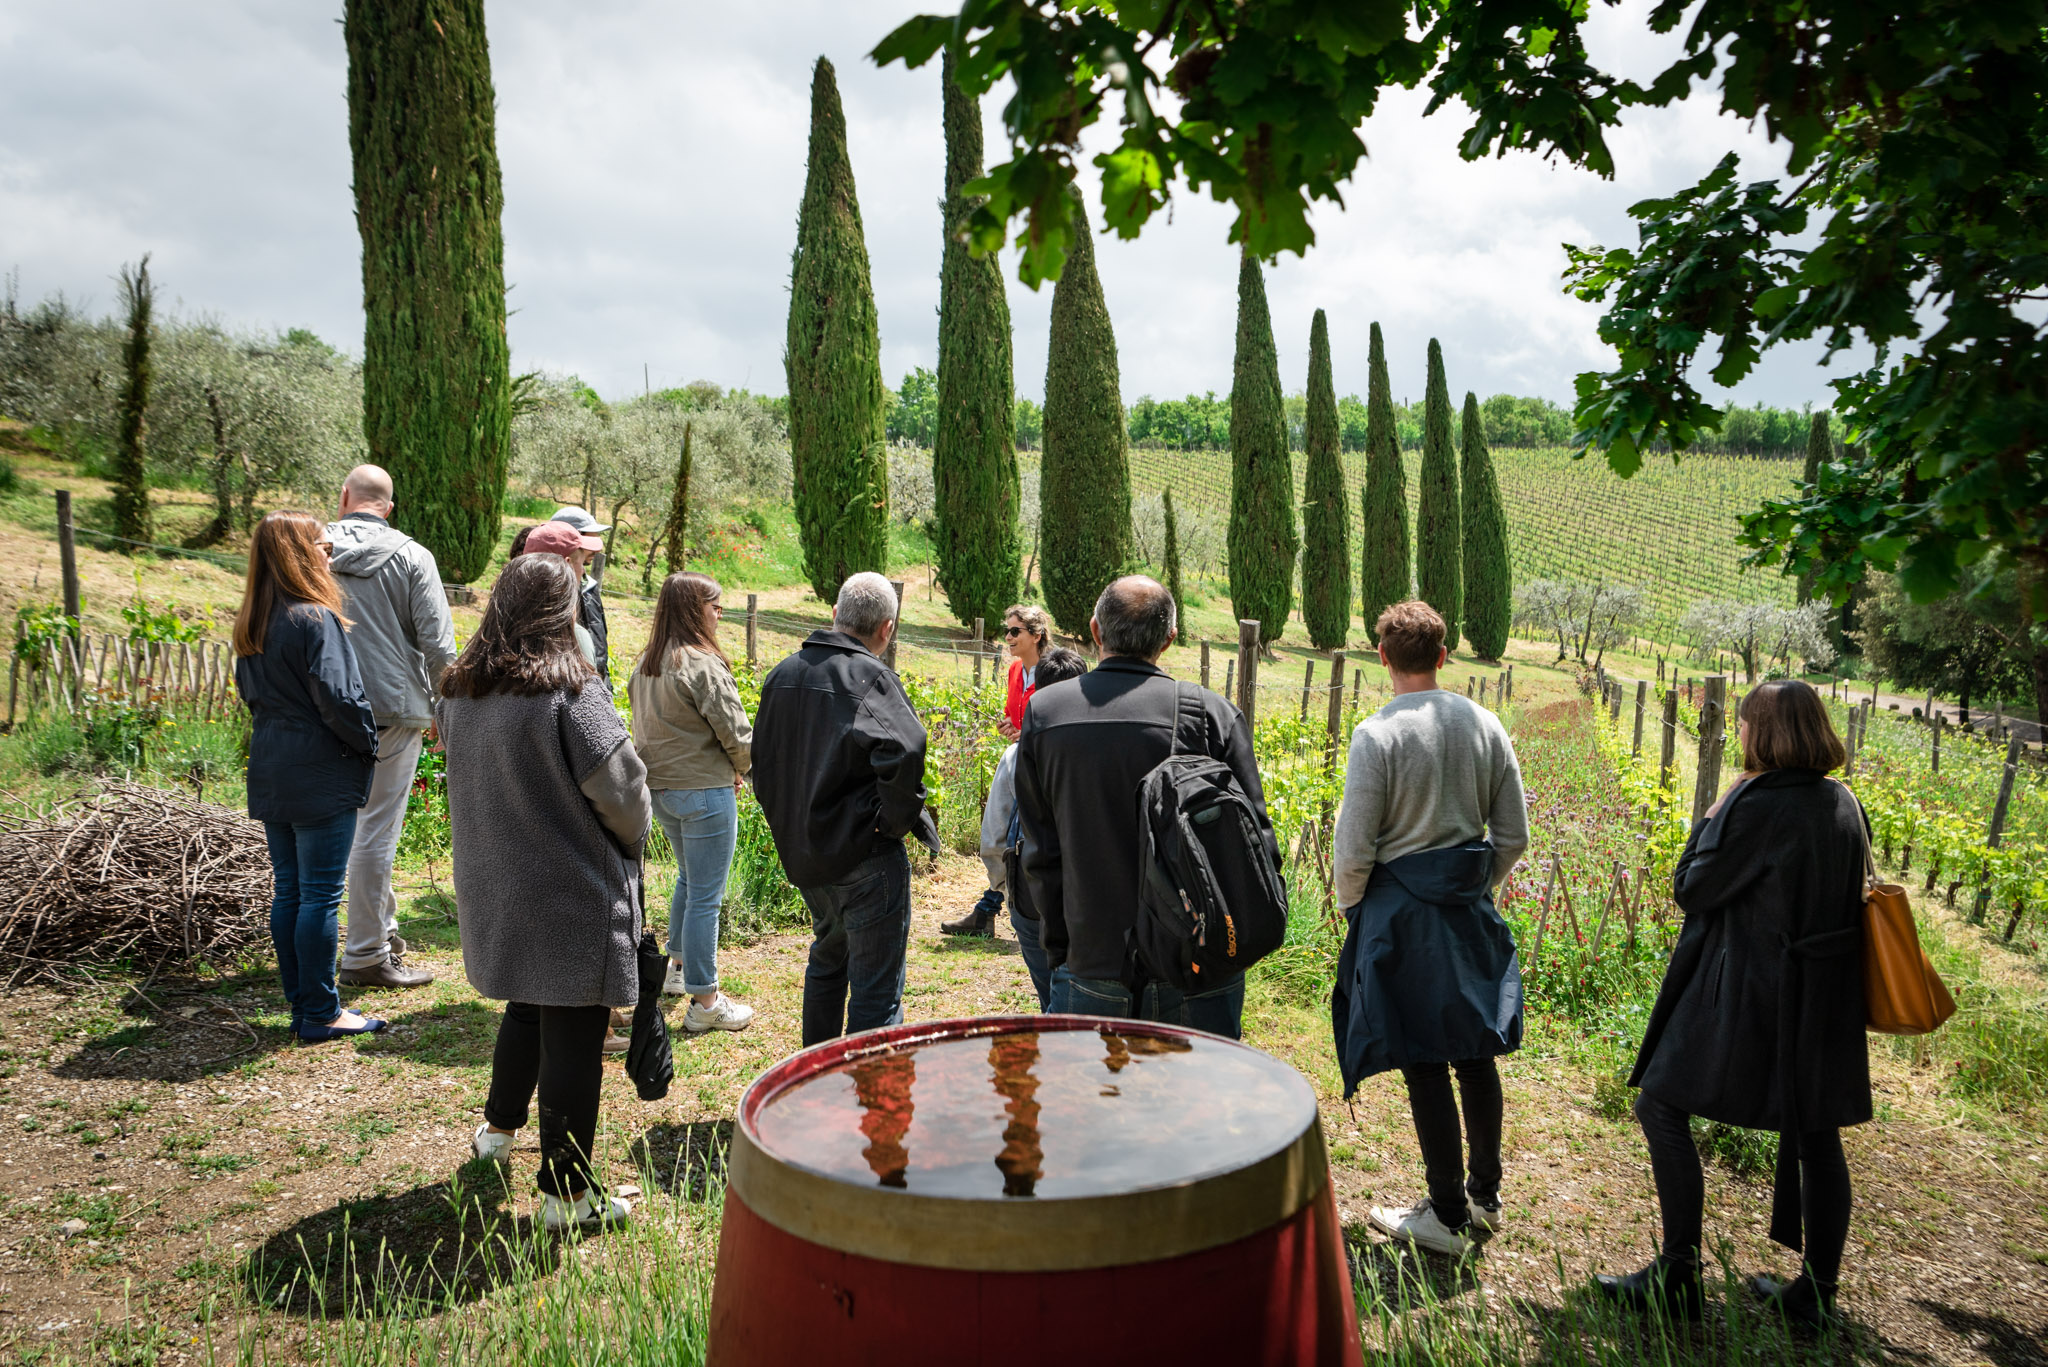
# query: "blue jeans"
{"points": [[862, 929], [1220, 1010], [702, 825], [1033, 950], [307, 867]]}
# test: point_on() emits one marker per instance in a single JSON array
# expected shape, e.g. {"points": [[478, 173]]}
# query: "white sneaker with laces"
{"points": [[486, 1144], [590, 1210], [1419, 1225], [672, 985], [1484, 1216], [723, 1014]]}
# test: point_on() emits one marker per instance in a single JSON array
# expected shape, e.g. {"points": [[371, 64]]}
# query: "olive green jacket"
{"points": [[688, 725]]}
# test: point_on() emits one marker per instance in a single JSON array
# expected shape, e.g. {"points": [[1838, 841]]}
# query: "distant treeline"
{"points": [[1201, 422]]}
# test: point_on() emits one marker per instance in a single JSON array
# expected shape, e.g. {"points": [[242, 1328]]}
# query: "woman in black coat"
{"points": [[312, 748], [1760, 1022]]}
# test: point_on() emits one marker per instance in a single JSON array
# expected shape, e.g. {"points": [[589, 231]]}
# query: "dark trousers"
{"points": [[1032, 948], [861, 933], [307, 866], [1451, 1175], [1219, 1010], [1682, 1188], [561, 1050]]}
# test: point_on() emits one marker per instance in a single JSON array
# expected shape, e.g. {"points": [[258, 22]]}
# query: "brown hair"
{"points": [[1789, 729], [526, 643], [285, 561], [518, 543], [679, 621], [1412, 635], [1032, 618]]}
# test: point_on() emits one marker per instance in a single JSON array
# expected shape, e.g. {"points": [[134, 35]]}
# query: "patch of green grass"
{"points": [[218, 1164]]}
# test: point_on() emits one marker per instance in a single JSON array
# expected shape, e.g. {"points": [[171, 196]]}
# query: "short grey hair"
{"points": [[866, 602], [1136, 616]]}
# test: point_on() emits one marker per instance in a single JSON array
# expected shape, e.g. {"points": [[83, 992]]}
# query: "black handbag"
{"points": [[650, 1061]]}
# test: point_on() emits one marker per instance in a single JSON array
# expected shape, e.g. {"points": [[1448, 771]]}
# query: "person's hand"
{"points": [[1006, 731], [739, 783]]}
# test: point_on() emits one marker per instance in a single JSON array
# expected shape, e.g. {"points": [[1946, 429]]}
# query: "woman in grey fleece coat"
{"points": [[542, 776]]}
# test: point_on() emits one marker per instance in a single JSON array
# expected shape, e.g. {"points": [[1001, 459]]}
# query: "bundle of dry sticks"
{"points": [[129, 873]]}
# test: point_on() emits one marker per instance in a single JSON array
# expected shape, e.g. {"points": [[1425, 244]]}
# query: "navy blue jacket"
{"points": [[1428, 973], [313, 739]]}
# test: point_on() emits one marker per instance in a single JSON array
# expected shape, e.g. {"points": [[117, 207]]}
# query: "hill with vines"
{"points": [[1671, 529]]}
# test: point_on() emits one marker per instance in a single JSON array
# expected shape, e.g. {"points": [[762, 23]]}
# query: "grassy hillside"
{"points": [[1670, 529]]}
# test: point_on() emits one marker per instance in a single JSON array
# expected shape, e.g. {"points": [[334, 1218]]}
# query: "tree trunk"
{"points": [[223, 494]]}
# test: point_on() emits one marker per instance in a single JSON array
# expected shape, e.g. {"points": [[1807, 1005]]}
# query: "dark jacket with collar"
{"points": [[313, 739], [1085, 746], [1428, 973], [590, 611], [1760, 1022], [838, 760]]}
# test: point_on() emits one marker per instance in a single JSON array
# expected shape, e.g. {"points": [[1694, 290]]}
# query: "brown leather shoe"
{"points": [[385, 974]]}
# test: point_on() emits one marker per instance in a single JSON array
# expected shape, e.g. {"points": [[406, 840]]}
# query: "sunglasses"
{"points": [[1013, 632]]}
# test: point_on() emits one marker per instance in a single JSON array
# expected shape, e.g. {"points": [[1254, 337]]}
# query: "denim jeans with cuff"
{"points": [[861, 925], [703, 826]]}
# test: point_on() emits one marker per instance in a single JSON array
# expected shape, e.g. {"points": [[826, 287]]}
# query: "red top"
{"points": [[1019, 694]]}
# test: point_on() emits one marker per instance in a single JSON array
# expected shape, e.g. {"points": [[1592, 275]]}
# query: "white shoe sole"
{"points": [[1482, 1218], [690, 1029], [499, 1153], [1388, 1223]]}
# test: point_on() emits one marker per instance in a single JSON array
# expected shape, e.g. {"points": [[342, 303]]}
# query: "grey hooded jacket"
{"points": [[403, 637]]}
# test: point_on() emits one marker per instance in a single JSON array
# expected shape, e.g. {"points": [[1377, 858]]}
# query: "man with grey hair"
{"points": [[839, 771], [1086, 746], [403, 640]]}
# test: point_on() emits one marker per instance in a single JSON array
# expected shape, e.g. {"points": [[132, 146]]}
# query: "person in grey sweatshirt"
{"points": [[1433, 819], [403, 640]]}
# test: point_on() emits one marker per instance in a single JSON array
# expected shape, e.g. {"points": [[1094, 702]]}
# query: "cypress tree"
{"points": [[1489, 579], [1436, 532], [1383, 530], [1172, 566], [1262, 538], [437, 383], [837, 401], [1820, 449], [1326, 518], [131, 466], [974, 450], [1084, 486]]}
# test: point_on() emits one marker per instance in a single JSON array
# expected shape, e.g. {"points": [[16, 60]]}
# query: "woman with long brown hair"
{"points": [[312, 749], [548, 803], [694, 736], [1760, 1021]]}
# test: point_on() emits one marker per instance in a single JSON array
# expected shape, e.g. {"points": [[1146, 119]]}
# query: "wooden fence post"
{"points": [[1935, 754], [67, 553], [1205, 663], [1248, 669], [753, 629], [1308, 679], [1511, 683], [1642, 702], [1712, 727], [1996, 835], [889, 656], [1229, 673], [1336, 705]]}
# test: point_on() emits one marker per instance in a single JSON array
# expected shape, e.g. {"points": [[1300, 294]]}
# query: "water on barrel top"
{"points": [[1053, 1113]]}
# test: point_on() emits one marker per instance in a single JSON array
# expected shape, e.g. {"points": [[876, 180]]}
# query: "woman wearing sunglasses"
{"points": [[1027, 629]]}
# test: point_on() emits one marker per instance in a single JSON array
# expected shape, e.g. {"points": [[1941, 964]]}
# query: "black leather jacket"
{"points": [[838, 760]]}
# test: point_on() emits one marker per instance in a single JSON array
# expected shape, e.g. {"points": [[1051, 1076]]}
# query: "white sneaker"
{"points": [[672, 985], [723, 1014], [1484, 1216], [588, 1211], [1419, 1225], [486, 1144]]}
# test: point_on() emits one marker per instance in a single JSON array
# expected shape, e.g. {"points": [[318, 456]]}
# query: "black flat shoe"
{"points": [[1671, 1287], [1801, 1301]]}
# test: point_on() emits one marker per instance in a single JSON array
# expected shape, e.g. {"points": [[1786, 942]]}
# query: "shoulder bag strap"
{"points": [[1187, 712]]}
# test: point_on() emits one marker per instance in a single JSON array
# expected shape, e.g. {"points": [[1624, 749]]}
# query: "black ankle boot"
{"points": [[1667, 1284], [1804, 1303], [981, 920]]}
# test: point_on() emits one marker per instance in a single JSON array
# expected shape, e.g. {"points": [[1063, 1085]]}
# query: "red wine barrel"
{"points": [[1030, 1189]]}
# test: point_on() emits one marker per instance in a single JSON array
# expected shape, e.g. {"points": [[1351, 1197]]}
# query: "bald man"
{"points": [[403, 640]]}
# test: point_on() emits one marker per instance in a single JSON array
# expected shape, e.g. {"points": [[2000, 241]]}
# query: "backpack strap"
{"points": [[1189, 718]]}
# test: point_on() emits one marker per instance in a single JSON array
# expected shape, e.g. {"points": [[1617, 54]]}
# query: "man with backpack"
{"points": [[1433, 819], [1088, 859]]}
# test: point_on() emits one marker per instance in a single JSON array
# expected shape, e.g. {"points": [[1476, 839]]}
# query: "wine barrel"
{"points": [[1030, 1189]]}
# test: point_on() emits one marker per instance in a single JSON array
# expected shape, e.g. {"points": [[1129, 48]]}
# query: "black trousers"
{"points": [[1450, 1174], [1682, 1189], [560, 1049]]}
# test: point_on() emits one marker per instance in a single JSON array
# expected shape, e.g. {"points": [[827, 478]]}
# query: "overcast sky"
{"points": [[654, 159]]}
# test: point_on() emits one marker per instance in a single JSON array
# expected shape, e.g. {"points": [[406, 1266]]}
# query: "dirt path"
{"points": [[187, 1137]]}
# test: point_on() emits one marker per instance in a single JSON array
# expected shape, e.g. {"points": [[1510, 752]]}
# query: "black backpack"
{"points": [[1211, 902]]}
